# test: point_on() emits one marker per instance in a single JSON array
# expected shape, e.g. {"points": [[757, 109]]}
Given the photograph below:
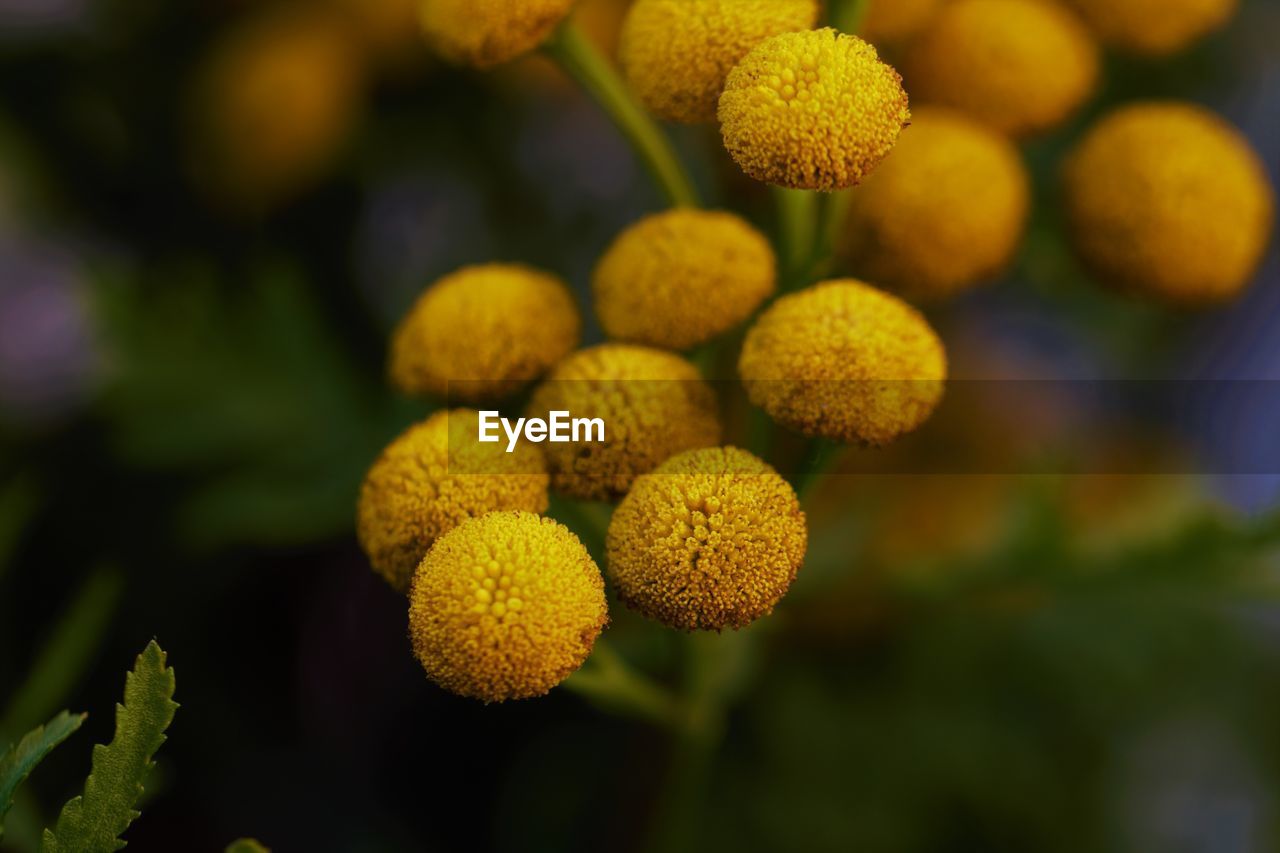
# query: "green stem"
{"points": [[797, 234], [610, 683], [847, 16], [581, 61], [820, 455]]}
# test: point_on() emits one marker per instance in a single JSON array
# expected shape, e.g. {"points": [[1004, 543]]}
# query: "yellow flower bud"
{"points": [[654, 404], [894, 21], [483, 33], [484, 332], [676, 55], [814, 110], [505, 606], [945, 211], [1021, 66], [1154, 27], [1168, 200], [678, 279], [844, 361], [711, 539], [431, 478]]}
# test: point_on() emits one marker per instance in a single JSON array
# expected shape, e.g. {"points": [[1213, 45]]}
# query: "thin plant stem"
{"points": [[611, 683], [797, 234], [581, 61], [847, 16]]}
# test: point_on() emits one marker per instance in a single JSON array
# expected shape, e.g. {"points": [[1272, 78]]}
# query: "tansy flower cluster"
{"points": [[694, 533]]}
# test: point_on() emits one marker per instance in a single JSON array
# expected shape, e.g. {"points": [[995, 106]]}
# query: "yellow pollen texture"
{"points": [[712, 539], [1154, 27], [433, 477], [483, 33], [844, 361], [484, 332], [945, 211], [654, 404], [505, 606], [677, 53], [812, 110], [678, 279], [1168, 200], [1020, 66]]}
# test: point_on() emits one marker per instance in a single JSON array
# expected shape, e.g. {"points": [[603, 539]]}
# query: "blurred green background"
{"points": [[211, 214]]}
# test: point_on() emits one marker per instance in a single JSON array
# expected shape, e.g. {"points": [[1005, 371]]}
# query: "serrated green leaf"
{"points": [[247, 845], [20, 759], [94, 821]]}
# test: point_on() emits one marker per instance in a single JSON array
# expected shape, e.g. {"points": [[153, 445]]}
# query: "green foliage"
{"points": [[20, 759], [94, 821], [247, 845]]}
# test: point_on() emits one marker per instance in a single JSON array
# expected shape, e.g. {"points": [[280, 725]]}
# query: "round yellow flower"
{"points": [[677, 53], [1021, 66], [844, 361], [1168, 200], [945, 211], [1154, 27], [814, 110], [433, 477], [484, 332], [678, 279], [711, 539], [483, 33], [505, 606], [894, 21], [274, 105], [654, 404]]}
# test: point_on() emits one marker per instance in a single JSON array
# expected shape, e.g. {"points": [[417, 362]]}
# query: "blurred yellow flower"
{"points": [[711, 539], [678, 279], [483, 33], [484, 332], [945, 211], [813, 110], [505, 606], [274, 104], [1021, 66], [844, 361], [431, 478], [1167, 199], [654, 404], [894, 21], [677, 53], [1154, 27]]}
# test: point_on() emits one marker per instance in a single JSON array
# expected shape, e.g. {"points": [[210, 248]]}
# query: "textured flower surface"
{"points": [[483, 33], [483, 332], [505, 606], [1168, 200], [711, 539], [945, 211], [433, 477], [654, 404], [1154, 27], [677, 53], [814, 110], [844, 361], [1021, 66], [678, 279], [892, 21]]}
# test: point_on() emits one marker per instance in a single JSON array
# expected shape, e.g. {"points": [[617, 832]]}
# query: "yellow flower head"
{"points": [[1154, 27], [654, 404], [678, 279], [433, 477], [1169, 200], [945, 210], [844, 361], [484, 332], [483, 33], [677, 53], [505, 606], [893, 21], [1021, 66], [711, 539], [815, 110]]}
